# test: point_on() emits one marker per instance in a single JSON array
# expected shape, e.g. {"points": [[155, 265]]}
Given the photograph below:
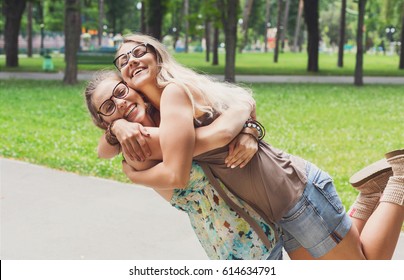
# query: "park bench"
{"points": [[104, 55]]}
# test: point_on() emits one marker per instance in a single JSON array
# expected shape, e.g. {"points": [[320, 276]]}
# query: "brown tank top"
{"points": [[271, 182]]}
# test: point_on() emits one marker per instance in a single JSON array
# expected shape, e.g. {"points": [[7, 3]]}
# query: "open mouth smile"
{"points": [[130, 109]]}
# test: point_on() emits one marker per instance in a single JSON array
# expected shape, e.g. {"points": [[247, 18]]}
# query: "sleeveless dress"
{"points": [[222, 232]]}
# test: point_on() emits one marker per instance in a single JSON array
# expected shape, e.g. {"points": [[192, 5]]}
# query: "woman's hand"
{"points": [[241, 150], [131, 136]]}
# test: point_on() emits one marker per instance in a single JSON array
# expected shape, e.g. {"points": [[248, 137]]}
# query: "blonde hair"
{"points": [[89, 92], [217, 96]]}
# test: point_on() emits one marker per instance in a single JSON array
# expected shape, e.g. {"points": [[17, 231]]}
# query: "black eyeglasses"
{"points": [[108, 107], [137, 52]]}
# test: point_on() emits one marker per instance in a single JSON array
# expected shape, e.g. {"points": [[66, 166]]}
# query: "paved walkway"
{"points": [[50, 214], [240, 78]]}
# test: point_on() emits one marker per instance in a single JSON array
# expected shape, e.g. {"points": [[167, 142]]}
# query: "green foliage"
{"points": [[339, 128]]}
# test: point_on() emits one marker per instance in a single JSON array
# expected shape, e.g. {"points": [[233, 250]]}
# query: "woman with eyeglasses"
{"points": [[222, 232], [284, 189]]}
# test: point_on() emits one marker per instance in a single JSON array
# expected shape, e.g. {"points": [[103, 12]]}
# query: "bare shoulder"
{"points": [[173, 92], [173, 88]]}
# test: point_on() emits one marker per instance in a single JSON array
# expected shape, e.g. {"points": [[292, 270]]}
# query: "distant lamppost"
{"points": [[390, 32]]}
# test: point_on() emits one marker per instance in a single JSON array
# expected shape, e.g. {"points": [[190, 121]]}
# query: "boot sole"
{"points": [[394, 153], [369, 172]]}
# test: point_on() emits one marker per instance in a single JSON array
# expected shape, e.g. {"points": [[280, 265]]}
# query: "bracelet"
{"points": [[256, 125], [252, 135], [110, 136]]}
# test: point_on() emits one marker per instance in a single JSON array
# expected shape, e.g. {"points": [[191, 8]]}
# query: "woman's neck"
{"points": [[153, 94]]}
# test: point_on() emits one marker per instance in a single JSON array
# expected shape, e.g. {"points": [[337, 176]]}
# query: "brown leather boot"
{"points": [[394, 192], [370, 182]]}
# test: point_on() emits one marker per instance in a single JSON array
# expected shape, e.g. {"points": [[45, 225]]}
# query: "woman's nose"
{"points": [[120, 103], [133, 60]]}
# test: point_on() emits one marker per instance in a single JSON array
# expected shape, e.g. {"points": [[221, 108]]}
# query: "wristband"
{"points": [[110, 136], [252, 135], [256, 125]]}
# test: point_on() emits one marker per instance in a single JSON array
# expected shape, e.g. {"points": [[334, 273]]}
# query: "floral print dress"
{"points": [[222, 232]]}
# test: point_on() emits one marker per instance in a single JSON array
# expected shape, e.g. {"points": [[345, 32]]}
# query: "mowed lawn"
{"points": [[341, 128], [247, 64]]}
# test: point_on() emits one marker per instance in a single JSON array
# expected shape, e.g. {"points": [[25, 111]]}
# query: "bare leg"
{"points": [[380, 234], [374, 236], [348, 249], [358, 224]]}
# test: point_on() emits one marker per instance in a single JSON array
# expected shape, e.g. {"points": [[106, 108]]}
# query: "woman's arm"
{"points": [[177, 140], [218, 134], [223, 130], [105, 150]]}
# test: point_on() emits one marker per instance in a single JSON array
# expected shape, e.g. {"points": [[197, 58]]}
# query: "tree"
{"points": [[72, 40], [29, 29], [285, 24], [186, 23], [100, 21], [212, 15], [358, 81], [278, 31], [215, 49], [244, 27], [229, 17], [342, 35], [267, 15], [401, 65], [13, 10], [311, 17], [297, 27], [155, 10]]}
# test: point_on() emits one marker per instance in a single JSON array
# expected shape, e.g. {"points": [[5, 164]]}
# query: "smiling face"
{"points": [[137, 72], [129, 106]]}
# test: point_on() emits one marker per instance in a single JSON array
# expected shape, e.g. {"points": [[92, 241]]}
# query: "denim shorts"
{"points": [[318, 221], [277, 251]]}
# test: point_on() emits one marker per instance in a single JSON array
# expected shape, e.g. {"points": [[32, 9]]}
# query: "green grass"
{"points": [[250, 63], [340, 128]]}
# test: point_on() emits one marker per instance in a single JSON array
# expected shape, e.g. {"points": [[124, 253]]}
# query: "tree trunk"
{"points": [[229, 18], [154, 18], [267, 14], [246, 16], [186, 16], [215, 49], [278, 31], [298, 24], [100, 21], [143, 18], [13, 10], [401, 66], [311, 17], [342, 35], [208, 27], [29, 29], [359, 42], [285, 24], [72, 40]]}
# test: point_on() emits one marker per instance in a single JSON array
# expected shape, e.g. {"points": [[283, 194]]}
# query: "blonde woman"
{"points": [[222, 232], [287, 186]]}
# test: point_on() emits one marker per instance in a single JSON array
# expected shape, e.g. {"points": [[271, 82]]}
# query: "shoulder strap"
{"points": [[215, 183]]}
